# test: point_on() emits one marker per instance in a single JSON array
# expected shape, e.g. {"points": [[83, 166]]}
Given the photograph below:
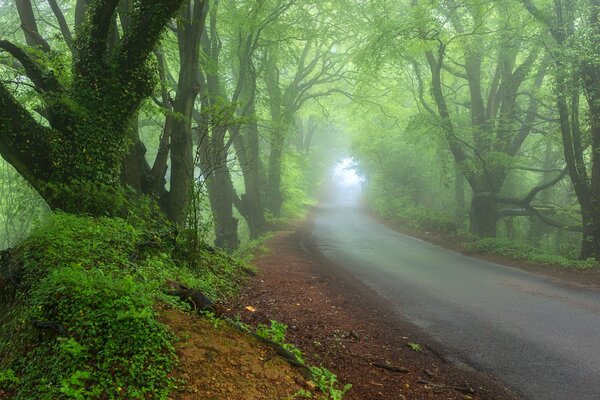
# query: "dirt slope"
{"points": [[222, 363]]}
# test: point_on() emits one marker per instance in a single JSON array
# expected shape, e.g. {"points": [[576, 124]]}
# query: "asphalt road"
{"points": [[540, 337]]}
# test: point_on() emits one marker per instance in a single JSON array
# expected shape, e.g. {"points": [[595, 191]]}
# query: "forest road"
{"points": [[539, 336]]}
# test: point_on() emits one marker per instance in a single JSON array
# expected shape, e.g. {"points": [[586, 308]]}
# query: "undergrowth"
{"points": [[432, 221], [83, 323], [415, 217], [324, 380], [519, 251]]}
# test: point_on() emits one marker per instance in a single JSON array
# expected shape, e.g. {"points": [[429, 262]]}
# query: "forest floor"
{"points": [[343, 325]]}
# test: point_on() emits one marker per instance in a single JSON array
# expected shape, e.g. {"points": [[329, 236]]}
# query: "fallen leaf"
{"points": [[250, 308]]}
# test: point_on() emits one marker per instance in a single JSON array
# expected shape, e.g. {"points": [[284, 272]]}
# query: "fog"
{"points": [[347, 184]]}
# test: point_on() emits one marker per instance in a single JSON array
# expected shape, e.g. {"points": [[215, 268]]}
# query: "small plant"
{"points": [[301, 394], [7, 378], [213, 318], [415, 346], [326, 381], [276, 333]]}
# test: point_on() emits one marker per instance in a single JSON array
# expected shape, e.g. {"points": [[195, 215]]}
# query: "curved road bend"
{"points": [[541, 338]]}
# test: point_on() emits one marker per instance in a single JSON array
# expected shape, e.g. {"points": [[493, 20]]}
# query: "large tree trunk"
{"points": [[483, 215], [74, 160]]}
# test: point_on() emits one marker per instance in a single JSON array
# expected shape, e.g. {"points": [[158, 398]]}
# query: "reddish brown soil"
{"points": [[343, 325], [219, 362]]}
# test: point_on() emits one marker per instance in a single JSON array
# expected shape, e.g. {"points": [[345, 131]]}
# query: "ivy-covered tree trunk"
{"points": [[74, 161]]}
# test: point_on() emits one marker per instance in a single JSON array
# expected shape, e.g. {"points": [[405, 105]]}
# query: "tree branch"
{"points": [[44, 81], [147, 22], [23, 141], [62, 23]]}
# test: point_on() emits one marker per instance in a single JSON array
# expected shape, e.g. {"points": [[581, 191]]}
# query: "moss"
{"points": [[100, 279]]}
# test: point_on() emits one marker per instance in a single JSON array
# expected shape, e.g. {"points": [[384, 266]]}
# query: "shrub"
{"points": [[508, 248]]}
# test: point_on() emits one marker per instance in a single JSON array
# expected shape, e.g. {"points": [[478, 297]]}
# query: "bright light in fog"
{"points": [[344, 173]]}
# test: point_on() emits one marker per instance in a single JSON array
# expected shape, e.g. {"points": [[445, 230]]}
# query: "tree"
{"points": [[315, 68], [500, 123], [72, 153], [575, 45]]}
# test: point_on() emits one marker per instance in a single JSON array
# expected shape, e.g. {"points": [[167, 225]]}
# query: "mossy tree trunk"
{"points": [[74, 156]]}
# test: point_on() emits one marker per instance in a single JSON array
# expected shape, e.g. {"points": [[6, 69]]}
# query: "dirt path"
{"points": [[344, 326]]}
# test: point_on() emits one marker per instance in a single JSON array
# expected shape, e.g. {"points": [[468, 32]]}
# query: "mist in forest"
{"points": [[185, 132], [347, 185], [476, 117]]}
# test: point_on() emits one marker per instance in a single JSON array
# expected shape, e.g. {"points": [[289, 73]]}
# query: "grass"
{"points": [[96, 282], [519, 251], [431, 221]]}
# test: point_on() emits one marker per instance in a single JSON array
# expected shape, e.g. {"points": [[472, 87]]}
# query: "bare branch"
{"points": [[62, 23]]}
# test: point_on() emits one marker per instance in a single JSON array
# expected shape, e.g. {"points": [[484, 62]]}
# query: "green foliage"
{"points": [[294, 186], [415, 347], [8, 378], [508, 248], [276, 333], [397, 210], [100, 280], [325, 380]]}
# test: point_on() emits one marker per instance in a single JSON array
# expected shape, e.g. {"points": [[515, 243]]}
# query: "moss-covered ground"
{"points": [[80, 318]]}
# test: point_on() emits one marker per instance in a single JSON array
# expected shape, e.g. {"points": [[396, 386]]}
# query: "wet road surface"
{"points": [[539, 336]]}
